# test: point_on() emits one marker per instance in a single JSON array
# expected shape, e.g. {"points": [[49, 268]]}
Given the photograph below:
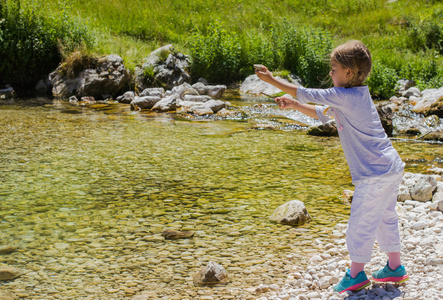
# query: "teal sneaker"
{"points": [[352, 284], [388, 275]]}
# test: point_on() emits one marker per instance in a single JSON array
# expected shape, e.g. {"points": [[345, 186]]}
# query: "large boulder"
{"points": [[431, 102], [106, 78], [164, 67], [291, 213], [254, 85]]}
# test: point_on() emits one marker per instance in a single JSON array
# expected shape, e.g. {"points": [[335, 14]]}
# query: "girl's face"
{"points": [[340, 76]]}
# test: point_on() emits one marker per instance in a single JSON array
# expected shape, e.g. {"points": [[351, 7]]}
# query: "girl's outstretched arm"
{"points": [[265, 75], [307, 109]]}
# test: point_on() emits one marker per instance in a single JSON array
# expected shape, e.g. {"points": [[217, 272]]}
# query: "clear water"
{"points": [[98, 184]]}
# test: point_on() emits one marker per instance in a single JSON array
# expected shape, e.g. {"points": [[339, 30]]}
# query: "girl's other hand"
{"points": [[264, 74], [285, 102]]}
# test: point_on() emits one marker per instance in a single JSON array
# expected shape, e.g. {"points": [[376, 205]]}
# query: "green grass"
{"points": [[405, 36]]}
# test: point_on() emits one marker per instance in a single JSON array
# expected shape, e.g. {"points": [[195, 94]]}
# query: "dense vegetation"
{"points": [[33, 43], [225, 37]]}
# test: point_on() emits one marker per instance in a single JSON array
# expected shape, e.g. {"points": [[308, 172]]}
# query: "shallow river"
{"points": [[85, 193]]}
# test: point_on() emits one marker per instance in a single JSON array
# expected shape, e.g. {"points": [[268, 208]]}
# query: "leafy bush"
{"points": [[426, 34], [33, 42], [225, 57], [305, 53], [382, 80], [216, 56]]}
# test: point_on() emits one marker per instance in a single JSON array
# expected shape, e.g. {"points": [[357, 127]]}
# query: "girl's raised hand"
{"points": [[263, 73], [285, 102]]}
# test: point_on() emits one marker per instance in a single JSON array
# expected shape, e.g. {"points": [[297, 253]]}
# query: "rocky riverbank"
{"points": [[421, 229]]}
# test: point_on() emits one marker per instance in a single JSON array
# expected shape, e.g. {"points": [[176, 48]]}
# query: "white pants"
{"points": [[373, 216]]}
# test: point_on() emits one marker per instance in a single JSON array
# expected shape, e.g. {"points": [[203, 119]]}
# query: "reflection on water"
{"points": [[95, 186]]}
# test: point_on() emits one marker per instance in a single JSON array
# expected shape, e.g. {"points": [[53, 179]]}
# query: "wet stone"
{"points": [[7, 249], [9, 273]]}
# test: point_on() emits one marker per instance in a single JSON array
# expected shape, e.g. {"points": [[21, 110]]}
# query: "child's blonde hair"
{"points": [[355, 56]]}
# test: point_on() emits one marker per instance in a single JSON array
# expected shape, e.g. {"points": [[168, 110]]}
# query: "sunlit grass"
{"points": [[132, 28]]}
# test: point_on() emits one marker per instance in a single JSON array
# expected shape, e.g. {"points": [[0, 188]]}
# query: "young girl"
{"points": [[375, 166]]}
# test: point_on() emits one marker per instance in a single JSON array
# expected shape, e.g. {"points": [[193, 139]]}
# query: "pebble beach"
{"points": [[421, 230]]}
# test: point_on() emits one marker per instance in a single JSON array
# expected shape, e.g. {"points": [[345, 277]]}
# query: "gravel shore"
{"points": [[421, 230]]}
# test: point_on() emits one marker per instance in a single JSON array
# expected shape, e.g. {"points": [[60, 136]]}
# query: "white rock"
{"points": [[429, 97], [419, 225], [420, 186], [284, 296], [313, 295], [315, 260], [324, 282], [274, 287]]}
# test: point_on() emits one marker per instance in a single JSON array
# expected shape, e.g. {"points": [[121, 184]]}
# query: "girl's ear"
{"points": [[349, 72]]}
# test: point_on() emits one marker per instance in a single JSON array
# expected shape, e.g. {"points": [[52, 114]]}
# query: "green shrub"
{"points": [[226, 57], [216, 56], [259, 48], [426, 34], [382, 80], [33, 42], [306, 54]]}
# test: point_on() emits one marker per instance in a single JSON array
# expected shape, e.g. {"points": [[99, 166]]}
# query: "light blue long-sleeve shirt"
{"points": [[367, 148]]}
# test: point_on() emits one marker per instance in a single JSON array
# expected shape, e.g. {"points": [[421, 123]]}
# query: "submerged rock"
{"points": [[291, 213], [170, 234], [327, 129], [212, 274], [7, 249], [9, 273], [7, 296]]}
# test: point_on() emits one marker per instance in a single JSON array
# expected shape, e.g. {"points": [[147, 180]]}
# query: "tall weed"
{"points": [[31, 41]]}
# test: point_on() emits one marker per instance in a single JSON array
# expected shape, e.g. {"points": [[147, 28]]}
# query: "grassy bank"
{"points": [[225, 37]]}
